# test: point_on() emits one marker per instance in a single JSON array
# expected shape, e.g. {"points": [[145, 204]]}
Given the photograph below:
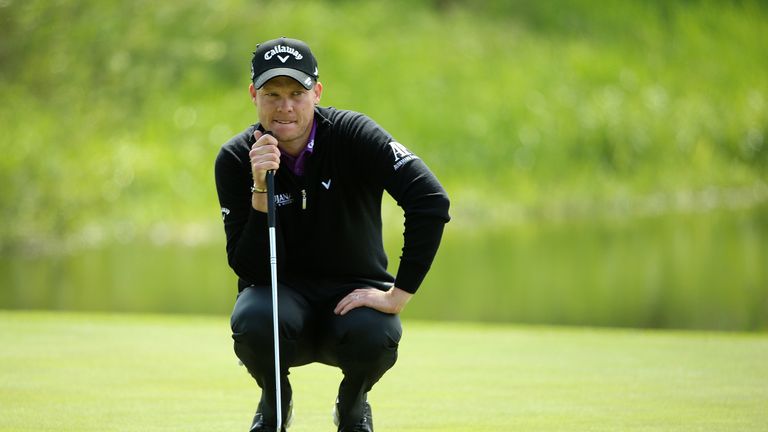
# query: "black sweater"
{"points": [[329, 220]]}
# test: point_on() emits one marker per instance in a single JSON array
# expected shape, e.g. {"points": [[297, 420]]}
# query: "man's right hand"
{"points": [[264, 156]]}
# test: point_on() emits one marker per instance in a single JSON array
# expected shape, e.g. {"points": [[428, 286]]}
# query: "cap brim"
{"points": [[306, 80]]}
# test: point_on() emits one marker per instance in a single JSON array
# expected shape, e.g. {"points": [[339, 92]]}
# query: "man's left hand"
{"points": [[391, 301]]}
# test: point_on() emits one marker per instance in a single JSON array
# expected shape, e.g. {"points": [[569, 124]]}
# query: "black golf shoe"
{"points": [[364, 425], [258, 424]]}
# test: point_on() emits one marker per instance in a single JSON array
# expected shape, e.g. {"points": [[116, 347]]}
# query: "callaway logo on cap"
{"points": [[284, 57]]}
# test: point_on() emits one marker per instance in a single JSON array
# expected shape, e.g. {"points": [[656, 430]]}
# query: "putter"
{"points": [[273, 268]]}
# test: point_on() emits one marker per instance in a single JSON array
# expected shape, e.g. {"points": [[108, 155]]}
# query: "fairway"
{"points": [[99, 372]]}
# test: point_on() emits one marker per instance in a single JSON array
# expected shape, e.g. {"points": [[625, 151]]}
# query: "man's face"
{"points": [[286, 108]]}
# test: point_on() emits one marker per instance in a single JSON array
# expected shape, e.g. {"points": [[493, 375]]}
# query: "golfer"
{"points": [[337, 304]]}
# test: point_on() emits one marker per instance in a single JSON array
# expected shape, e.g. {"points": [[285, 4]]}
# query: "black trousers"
{"points": [[363, 343]]}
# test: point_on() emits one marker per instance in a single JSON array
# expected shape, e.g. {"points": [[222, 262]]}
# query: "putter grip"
{"points": [[271, 198], [270, 193]]}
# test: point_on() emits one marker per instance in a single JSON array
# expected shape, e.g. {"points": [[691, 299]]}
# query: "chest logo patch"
{"points": [[283, 199]]}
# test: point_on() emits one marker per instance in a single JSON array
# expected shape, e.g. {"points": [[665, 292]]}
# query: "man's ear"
{"points": [[318, 89], [252, 91]]}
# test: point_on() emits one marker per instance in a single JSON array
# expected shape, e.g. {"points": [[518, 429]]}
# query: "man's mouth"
{"points": [[283, 121]]}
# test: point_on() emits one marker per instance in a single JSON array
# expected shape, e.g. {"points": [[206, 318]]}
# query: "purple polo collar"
{"points": [[296, 164]]}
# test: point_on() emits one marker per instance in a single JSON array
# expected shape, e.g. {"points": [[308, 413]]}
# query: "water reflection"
{"points": [[704, 271]]}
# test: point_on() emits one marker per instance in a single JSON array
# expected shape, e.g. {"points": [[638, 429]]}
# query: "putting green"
{"points": [[100, 372]]}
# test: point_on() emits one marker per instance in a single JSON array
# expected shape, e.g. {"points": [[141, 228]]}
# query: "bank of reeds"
{"points": [[112, 112]]}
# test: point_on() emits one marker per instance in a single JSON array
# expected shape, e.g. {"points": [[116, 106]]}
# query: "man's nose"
{"points": [[285, 105]]}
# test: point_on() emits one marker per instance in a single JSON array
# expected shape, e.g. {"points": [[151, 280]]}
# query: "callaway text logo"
{"points": [[282, 49]]}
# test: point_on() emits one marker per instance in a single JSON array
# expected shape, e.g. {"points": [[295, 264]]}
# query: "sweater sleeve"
{"points": [[245, 228], [417, 191], [425, 205]]}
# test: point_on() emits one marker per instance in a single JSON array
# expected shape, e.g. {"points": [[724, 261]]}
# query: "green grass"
{"points": [[93, 372]]}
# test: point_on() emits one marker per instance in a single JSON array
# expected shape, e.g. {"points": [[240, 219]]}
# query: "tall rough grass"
{"points": [[112, 112]]}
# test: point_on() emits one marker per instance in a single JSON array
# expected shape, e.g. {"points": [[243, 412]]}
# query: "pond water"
{"points": [[689, 271]]}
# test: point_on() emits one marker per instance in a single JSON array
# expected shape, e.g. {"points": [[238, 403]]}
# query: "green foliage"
{"points": [[112, 112]]}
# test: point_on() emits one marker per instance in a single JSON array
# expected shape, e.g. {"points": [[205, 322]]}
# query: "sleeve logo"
{"points": [[401, 154]]}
